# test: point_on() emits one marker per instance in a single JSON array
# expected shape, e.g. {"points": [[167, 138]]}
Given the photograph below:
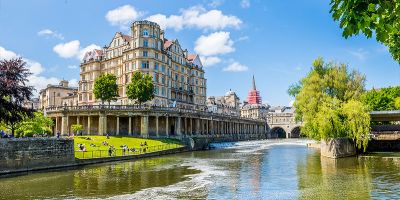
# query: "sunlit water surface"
{"points": [[284, 169]]}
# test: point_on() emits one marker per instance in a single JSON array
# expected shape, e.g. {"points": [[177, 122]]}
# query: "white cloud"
{"points": [[243, 38], [236, 67], [245, 3], [215, 3], [72, 67], [214, 44], [73, 83], [360, 53], [6, 54], [36, 80], [209, 61], [197, 17], [123, 16], [50, 33], [67, 50], [73, 49]]}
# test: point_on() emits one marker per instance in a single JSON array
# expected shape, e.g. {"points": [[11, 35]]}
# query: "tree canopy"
{"points": [[106, 88], [38, 124], [141, 88], [328, 103], [379, 17], [13, 92], [381, 99]]}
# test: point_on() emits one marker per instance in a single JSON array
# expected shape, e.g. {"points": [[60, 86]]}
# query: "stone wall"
{"points": [[338, 148], [24, 154]]}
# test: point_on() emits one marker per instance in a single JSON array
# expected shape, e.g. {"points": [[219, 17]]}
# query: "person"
{"points": [[110, 151], [145, 143], [108, 136], [123, 150], [58, 134]]}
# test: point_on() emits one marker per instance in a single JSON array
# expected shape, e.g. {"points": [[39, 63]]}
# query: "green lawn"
{"points": [[101, 150]]}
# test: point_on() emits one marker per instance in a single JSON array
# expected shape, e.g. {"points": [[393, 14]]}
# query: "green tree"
{"points": [[77, 128], [370, 17], [106, 88], [38, 124], [381, 99], [322, 100], [141, 88], [397, 103]]}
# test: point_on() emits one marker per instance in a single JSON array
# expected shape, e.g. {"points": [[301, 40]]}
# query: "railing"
{"points": [[122, 152], [144, 108]]}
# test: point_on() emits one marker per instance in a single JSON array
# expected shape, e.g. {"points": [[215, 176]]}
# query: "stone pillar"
{"points": [[206, 132], [197, 130], [144, 126], [166, 126], [117, 133], [64, 125], [102, 124], [185, 129], [130, 126], [191, 126], [212, 127], [77, 120], [157, 126], [56, 130], [88, 124], [178, 126]]}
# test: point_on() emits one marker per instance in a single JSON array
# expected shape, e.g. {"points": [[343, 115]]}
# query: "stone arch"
{"points": [[295, 132], [278, 132]]}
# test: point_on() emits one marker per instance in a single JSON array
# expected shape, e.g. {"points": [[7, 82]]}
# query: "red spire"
{"points": [[254, 95]]}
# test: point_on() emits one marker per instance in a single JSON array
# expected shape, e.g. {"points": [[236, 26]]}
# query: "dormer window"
{"points": [[145, 32]]}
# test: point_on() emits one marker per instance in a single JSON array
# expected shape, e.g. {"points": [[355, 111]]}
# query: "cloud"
{"points": [[73, 49], [215, 3], [360, 53], [36, 80], [245, 3], [243, 38], [50, 33], [196, 17], [209, 61], [235, 67], [67, 50], [214, 44], [123, 16]]}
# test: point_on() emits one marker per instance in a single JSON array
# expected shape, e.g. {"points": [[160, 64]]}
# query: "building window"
{"points": [[156, 66], [163, 68], [144, 53], [145, 32], [156, 55], [145, 43], [163, 91], [176, 68], [145, 64]]}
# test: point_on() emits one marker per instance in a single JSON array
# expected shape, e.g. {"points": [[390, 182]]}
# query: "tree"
{"points": [[141, 88], [38, 124], [381, 99], [106, 88], [397, 103], [328, 103], [379, 17], [13, 91], [77, 128]]}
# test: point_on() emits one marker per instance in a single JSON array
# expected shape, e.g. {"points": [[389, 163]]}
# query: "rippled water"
{"points": [[283, 169]]}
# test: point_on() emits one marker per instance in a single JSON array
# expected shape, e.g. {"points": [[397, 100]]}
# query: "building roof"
{"points": [[126, 37], [191, 57], [167, 44]]}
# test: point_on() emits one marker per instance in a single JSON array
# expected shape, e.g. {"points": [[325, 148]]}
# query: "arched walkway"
{"points": [[278, 132], [295, 132]]}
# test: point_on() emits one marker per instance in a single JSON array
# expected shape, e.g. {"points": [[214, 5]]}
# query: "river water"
{"points": [[274, 169]]}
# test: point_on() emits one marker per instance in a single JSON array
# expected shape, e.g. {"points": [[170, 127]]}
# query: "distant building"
{"points": [[253, 107], [53, 95], [32, 104], [228, 104]]}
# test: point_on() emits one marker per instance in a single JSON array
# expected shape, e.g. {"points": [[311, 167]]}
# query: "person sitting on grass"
{"points": [[145, 143], [105, 143], [108, 136], [92, 145]]}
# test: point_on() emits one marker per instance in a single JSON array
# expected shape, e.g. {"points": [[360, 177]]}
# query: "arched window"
{"points": [[145, 32]]}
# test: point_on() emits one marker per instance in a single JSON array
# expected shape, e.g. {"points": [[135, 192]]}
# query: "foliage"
{"points": [[106, 88], [381, 99], [13, 91], [38, 124], [141, 88], [379, 17], [76, 128], [324, 103], [397, 103]]}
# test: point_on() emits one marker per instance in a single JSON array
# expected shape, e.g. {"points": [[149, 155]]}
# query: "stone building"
{"points": [[228, 104], [53, 95], [253, 107], [282, 123], [32, 104], [178, 76]]}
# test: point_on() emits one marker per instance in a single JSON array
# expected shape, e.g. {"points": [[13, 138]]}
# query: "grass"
{"points": [[101, 150]]}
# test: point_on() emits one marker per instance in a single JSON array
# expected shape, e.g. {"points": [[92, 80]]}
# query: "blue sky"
{"points": [[274, 40]]}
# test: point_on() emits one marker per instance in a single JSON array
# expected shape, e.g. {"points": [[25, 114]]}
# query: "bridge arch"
{"points": [[278, 132], [295, 132]]}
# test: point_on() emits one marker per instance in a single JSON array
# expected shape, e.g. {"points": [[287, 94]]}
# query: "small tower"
{"points": [[254, 95]]}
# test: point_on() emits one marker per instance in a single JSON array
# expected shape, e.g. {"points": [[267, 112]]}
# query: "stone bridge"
{"points": [[282, 125], [156, 122]]}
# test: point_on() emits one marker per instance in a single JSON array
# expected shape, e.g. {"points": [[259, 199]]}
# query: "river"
{"points": [[273, 169]]}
